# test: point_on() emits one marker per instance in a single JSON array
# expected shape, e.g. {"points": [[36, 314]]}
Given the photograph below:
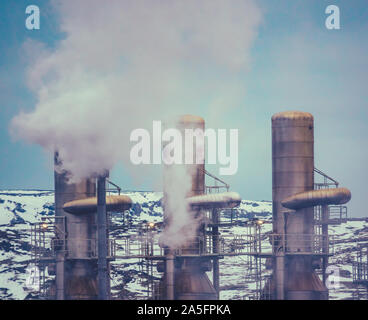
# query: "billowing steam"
{"points": [[181, 222], [123, 64]]}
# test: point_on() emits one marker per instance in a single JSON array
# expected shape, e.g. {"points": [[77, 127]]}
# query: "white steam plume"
{"points": [[123, 64], [181, 223]]}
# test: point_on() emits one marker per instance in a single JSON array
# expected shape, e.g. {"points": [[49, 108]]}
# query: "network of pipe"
{"points": [[84, 207]]}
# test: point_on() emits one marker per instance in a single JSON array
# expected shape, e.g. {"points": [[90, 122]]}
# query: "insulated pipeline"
{"points": [[89, 205], [335, 196]]}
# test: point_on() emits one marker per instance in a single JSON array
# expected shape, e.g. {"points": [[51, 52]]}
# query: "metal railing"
{"points": [[360, 265], [215, 188], [156, 290], [42, 235], [337, 214], [327, 181], [360, 272], [47, 248], [209, 245], [314, 244], [48, 237]]}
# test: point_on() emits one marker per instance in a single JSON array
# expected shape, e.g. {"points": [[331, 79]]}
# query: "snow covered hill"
{"points": [[19, 209]]}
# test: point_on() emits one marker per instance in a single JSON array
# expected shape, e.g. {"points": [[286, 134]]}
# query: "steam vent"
{"points": [[76, 272], [185, 275], [185, 278], [81, 243]]}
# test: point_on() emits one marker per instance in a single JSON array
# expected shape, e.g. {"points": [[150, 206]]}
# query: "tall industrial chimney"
{"points": [[293, 173], [76, 269], [189, 278]]}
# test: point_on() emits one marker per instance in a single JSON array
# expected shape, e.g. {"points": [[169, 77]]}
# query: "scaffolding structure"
{"points": [[253, 244], [360, 272], [360, 265], [337, 214], [152, 255], [320, 244], [50, 242], [49, 238], [44, 245]]}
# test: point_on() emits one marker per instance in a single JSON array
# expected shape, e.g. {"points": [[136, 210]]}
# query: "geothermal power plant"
{"points": [[77, 248]]}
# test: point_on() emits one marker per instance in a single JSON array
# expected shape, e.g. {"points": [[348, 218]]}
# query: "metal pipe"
{"points": [[170, 277], [89, 205], [102, 239], [280, 275], [325, 218], [60, 276], [312, 198], [280, 263], [215, 243], [218, 200]]}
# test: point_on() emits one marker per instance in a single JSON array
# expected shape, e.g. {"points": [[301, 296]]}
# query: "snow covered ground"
{"points": [[19, 209]]}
